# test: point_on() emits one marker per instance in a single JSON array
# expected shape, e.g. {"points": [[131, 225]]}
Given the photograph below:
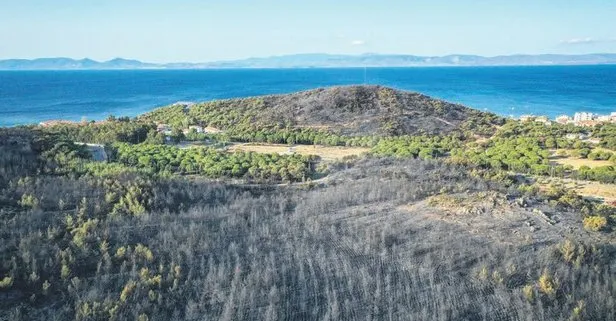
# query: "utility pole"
{"points": [[365, 75]]}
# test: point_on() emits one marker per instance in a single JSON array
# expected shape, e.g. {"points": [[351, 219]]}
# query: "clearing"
{"points": [[579, 162], [590, 189], [605, 191], [328, 153]]}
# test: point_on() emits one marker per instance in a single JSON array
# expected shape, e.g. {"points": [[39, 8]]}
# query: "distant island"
{"points": [[316, 60]]}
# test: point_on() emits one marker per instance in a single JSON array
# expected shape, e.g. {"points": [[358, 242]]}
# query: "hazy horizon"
{"points": [[301, 54], [193, 31]]}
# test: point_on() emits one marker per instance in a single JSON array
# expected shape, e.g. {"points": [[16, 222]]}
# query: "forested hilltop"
{"points": [[344, 203], [348, 110]]}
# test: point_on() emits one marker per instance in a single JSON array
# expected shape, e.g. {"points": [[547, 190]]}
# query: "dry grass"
{"points": [[212, 130], [328, 153], [579, 162], [607, 192], [601, 149]]}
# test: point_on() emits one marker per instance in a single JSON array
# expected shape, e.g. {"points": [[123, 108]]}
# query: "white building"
{"points": [[580, 136], [604, 118], [563, 119], [164, 129], [583, 116], [197, 129], [526, 118]]}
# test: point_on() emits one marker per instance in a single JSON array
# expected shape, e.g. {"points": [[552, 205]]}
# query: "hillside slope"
{"points": [[348, 110]]}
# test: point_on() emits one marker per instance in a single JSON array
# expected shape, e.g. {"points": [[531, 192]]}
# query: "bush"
{"points": [[7, 282], [128, 289], [547, 285], [529, 292], [568, 250], [29, 201], [595, 223]]}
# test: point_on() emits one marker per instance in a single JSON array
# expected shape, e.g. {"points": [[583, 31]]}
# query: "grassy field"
{"points": [[578, 162], [607, 192], [327, 153]]}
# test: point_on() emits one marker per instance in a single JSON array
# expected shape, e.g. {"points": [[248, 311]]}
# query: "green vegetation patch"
{"points": [[215, 163]]}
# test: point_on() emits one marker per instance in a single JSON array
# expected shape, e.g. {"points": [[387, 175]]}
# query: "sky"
{"points": [[207, 30]]}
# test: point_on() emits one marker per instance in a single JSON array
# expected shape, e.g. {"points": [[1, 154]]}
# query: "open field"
{"points": [[212, 130], [607, 192], [601, 149], [579, 162], [328, 153]]}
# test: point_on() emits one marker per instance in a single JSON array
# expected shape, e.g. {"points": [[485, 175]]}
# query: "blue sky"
{"points": [[199, 31]]}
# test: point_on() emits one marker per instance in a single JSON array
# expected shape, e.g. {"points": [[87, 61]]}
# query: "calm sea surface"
{"points": [[33, 96]]}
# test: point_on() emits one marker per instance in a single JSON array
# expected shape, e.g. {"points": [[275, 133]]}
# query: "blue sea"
{"points": [[32, 96]]}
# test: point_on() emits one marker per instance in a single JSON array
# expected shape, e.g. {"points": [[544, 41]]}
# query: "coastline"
{"points": [[30, 97]]}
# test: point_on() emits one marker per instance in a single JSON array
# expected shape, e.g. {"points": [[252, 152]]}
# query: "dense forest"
{"points": [[428, 225]]}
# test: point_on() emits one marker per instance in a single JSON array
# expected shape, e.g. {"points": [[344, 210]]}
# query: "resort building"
{"points": [[544, 120], [604, 118], [526, 118], [197, 129], [583, 116], [587, 123], [164, 129], [563, 119]]}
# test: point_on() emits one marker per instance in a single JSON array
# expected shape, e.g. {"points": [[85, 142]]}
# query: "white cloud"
{"points": [[358, 42], [585, 41]]}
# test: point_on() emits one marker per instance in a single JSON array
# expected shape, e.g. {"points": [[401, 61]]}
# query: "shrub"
{"points": [[65, 271], [547, 285], [29, 201], [578, 311], [529, 292], [143, 252], [567, 249], [497, 278], [46, 286], [483, 273], [127, 290], [595, 223], [6, 283]]}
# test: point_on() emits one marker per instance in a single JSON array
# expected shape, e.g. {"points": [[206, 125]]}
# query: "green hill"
{"points": [[347, 110]]}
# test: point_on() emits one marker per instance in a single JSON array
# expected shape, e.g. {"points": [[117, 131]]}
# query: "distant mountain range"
{"points": [[68, 64], [316, 61]]}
